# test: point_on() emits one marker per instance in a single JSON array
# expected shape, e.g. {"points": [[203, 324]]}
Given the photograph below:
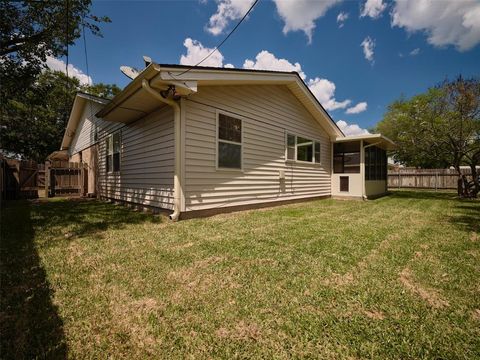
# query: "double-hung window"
{"points": [[299, 148], [229, 144], [113, 146]]}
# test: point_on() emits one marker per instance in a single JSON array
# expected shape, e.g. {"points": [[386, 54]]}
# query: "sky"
{"points": [[357, 57]]}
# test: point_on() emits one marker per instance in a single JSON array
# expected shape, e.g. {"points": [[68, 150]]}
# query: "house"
{"points": [[204, 139]]}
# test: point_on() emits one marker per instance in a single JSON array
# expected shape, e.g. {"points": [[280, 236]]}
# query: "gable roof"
{"points": [[133, 102], [79, 103]]}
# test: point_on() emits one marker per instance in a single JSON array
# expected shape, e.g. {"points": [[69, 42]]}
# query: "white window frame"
{"points": [[217, 140], [314, 141], [109, 141]]}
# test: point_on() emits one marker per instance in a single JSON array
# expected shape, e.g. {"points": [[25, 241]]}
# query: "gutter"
{"points": [[177, 184]]}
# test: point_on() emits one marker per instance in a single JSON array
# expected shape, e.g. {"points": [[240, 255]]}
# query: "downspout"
{"points": [[177, 185], [364, 196]]}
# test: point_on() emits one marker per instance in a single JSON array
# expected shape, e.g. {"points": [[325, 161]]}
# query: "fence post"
{"points": [[399, 178], [47, 177], [436, 180]]}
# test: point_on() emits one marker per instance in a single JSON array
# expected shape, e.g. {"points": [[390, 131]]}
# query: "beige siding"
{"points": [[147, 157], [268, 112], [85, 134]]}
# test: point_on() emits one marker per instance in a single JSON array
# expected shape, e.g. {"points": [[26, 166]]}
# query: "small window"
{"points": [[229, 142], [344, 184], [302, 149], [113, 146]]}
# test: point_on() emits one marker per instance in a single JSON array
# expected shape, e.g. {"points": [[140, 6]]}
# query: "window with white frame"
{"points": [[113, 146], [229, 144], [302, 149]]}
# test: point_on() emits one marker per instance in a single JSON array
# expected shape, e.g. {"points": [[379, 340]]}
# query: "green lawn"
{"points": [[397, 277]]}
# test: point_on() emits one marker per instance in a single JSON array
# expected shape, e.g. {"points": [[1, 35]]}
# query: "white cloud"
{"points": [[324, 91], [227, 10], [373, 8], [360, 107], [445, 22], [300, 15], [229, 66], [368, 45], [351, 129], [415, 52], [341, 18], [267, 61], [196, 52], [59, 65]]}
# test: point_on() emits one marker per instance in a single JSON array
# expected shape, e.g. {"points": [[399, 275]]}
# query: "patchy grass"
{"points": [[397, 277]]}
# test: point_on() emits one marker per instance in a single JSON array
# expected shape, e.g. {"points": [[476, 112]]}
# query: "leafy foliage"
{"points": [[33, 122], [439, 128]]}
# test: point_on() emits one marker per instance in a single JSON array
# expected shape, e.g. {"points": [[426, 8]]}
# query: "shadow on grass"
{"points": [[465, 214], [76, 217], [30, 325]]}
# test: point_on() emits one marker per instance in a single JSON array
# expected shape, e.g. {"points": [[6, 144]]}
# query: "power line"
{"points": [[222, 42]]}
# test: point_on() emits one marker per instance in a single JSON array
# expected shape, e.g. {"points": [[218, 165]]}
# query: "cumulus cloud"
{"points": [[267, 61], [341, 18], [229, 66], [444, 22], [360, 107], [368, 45], [373, 8], [300, 15], [324, 91], [351, 129], [60, 65], [196, 52], [227, 10]]}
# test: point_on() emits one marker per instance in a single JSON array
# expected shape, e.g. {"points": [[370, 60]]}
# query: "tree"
{"points": [[439, 128], [107, 91], [33, 122], [32, 30]]}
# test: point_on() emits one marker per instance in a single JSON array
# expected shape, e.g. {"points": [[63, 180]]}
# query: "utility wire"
{"points": [[221, 43]]}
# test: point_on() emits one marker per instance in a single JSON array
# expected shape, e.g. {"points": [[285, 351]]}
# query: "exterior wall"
{"points": [[267, 113], [354, 182], [85, 135], [375, 187], [146, 161]]}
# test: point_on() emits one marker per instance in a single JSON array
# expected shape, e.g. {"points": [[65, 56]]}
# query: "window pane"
{"points": [[351, 169], [291, 153], [317, 152], [109, 145], [290, 147], [109, 163], [229, 128], [116, 161], [352, 158], [116, 142], [229, 155], [305, 152], [367, 164], [290, 140], [338, 164]]}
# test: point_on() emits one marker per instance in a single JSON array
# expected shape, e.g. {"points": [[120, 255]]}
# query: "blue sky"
{"points": [[408, 47]]}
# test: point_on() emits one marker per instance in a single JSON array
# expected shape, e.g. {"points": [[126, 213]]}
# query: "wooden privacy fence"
{"points": [[425, 178], [67, 178], [26, 179]]}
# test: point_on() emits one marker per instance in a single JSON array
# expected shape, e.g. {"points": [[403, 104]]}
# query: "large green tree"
{"points": [[439, 128], [33, 122]]}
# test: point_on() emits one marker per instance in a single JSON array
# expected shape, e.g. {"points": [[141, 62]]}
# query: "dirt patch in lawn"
{"points": [[431, 296]]}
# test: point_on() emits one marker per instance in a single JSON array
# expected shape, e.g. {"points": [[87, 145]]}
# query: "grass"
{"points": [[397, 277]]}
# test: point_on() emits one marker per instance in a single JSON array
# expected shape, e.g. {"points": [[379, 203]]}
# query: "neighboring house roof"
{"points": [[134, 102], [79, 103]]}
